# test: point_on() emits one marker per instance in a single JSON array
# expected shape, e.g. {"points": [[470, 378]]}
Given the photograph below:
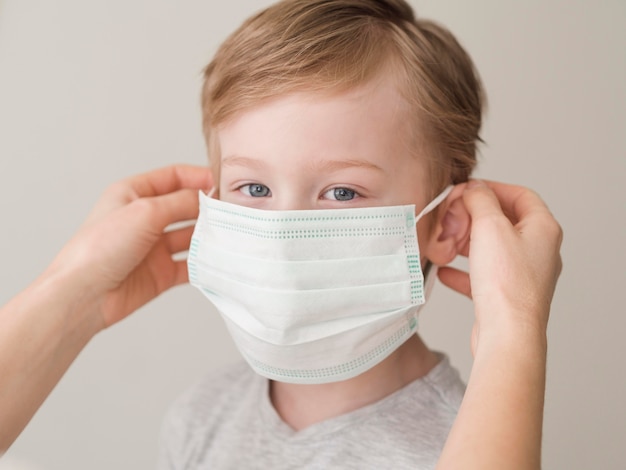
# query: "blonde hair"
{"points": [[336, 45]]}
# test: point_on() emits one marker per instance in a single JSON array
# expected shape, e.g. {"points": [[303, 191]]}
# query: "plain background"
{"points": [[91, 92]]}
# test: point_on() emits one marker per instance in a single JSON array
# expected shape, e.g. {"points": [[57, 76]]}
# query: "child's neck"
{"points": [[303, 405]]}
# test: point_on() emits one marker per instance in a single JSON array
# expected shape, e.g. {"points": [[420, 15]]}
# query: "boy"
{"points": [[323, 105], [354, 116]]}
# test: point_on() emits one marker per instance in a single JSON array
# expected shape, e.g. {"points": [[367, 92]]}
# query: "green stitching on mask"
{"points": [[309, 233]]}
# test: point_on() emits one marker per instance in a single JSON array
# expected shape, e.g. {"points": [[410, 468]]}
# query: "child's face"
{"points": [[312, 151]]}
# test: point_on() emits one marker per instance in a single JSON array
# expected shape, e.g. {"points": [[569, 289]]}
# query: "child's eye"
{"points": [[255, 190], [340, 194]]}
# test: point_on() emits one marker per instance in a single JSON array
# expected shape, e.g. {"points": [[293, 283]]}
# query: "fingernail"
{"points": [[475, 184]]}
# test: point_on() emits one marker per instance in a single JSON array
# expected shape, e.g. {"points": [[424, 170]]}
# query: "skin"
{"points": [[306, 151], [514, 259], [119, 260], [507, 232], [350, 150]]}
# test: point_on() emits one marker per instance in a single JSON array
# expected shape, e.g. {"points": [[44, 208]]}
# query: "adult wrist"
{"points": [[522, 339], [69, 293], [525, 318]]}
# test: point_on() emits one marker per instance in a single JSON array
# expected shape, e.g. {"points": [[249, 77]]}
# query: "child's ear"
{"points": [[451, 231]]}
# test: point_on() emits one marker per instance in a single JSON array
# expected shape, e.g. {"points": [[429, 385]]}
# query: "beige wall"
{"points": [[93, 91]]}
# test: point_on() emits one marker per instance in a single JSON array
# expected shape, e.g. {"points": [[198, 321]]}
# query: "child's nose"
{"points": [[293, 200], [293, 206]]}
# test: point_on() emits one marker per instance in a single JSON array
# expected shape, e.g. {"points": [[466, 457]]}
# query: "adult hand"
{"points": [[121, 256], [514, 263], [119, 260], [514, 259]]}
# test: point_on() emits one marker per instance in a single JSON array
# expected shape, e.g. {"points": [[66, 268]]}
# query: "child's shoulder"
{"points": [[213, 396], [216, 387], [195, 418]]}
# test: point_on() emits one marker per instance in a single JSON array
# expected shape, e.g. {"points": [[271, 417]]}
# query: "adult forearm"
{"points": [[42, 330], [121, 258], [500, 420]]}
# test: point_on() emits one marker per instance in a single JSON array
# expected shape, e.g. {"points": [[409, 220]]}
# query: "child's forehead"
{"points": [[365, 128], [368, 111], [380, 96]]}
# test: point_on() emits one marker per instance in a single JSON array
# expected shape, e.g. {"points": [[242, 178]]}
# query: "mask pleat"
{"points": [[311, 296]]}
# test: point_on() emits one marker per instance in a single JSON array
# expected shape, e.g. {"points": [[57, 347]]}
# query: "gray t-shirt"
{"points": [[227, 421]]}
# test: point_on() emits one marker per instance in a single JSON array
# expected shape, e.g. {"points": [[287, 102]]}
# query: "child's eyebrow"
{"points": [[320, 165], [334, 165], [237, 160]]}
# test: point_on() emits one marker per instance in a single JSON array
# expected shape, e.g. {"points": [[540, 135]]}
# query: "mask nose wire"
{"points": [[434, 203]]}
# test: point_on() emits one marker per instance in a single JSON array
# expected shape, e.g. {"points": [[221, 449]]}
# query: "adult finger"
{"points": [[517, 202], [169, 179], [527, 211], [480, 201], [163, 181], [156, 213], [178, 240], [154, 183], [181, 273], [456, 280]]}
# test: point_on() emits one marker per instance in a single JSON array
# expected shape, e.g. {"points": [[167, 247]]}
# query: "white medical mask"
{"points": [[311, 296]]}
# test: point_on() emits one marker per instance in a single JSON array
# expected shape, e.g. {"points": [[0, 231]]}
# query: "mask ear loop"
{"points": [[434, 203], [430, 270]]}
